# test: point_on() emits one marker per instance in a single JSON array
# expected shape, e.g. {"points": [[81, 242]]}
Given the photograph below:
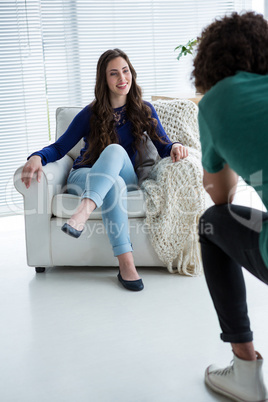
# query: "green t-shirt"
{"points": [[233, 122]]}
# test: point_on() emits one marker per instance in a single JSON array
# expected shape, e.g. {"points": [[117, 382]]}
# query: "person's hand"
{"points": [[178, 152], [34, 165]]}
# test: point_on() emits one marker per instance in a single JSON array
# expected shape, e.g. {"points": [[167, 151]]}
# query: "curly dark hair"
{"points": [[238, 42], [102, 124]]}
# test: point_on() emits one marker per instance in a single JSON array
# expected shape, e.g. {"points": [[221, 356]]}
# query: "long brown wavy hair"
{"points": [[233, 43], [102, 125]]}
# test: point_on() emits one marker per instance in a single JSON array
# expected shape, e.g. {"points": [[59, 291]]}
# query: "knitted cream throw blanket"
{"points": [[174, 192]]}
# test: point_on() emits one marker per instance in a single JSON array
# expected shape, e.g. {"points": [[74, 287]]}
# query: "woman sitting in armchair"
{"points": [[113, 127]]}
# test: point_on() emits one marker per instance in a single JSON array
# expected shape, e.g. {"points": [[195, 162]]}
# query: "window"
{"points": [[49, 51], [23, 106]]}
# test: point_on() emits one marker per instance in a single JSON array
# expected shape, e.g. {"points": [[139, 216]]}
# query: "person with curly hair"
{"points": [[231, 70], [115, 128]]}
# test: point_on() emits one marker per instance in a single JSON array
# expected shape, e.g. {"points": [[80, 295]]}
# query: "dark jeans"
{"points": [[229, 237]]}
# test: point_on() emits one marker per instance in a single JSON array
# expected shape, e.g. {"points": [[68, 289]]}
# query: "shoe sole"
{"points": [[220, 390]]}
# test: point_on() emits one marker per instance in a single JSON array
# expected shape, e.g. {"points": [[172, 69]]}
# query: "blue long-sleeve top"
{"points": [[80, 127]]}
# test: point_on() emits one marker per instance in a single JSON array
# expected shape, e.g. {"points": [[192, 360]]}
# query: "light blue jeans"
{"points": [[107, 183]]}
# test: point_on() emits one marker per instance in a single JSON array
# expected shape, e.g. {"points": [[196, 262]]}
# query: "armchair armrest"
{"points": [[38, 208], [53, 179]]}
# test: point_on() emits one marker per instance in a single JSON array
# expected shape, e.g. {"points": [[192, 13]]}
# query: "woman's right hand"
{"points": [[33, 165]]}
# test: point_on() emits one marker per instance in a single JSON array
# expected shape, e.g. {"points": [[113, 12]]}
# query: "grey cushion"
{"points": [[144, 162]]}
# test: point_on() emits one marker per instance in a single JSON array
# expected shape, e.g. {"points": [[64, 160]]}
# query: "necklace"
{"points": [[119, 117]]}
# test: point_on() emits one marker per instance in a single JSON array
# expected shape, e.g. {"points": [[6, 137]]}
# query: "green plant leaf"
{"points": [[186, 49]]}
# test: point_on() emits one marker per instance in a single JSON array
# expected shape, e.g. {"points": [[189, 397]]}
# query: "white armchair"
{"points": [[47, 207]]}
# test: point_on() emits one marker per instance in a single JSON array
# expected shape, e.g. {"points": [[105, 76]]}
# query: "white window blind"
{"points": [[23, 109], [77, 32], [50, 48]]}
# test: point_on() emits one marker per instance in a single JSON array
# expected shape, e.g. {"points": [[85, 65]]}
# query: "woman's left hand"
{"points": [[178, 152]]}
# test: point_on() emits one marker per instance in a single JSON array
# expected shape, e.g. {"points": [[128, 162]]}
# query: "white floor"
{"points": [[74, 334]]}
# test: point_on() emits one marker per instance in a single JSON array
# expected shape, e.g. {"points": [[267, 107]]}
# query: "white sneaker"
{"points": [[242, 381]]}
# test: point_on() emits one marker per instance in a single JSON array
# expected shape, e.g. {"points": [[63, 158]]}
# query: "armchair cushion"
{"points": [[64, 117], [64, 206]]}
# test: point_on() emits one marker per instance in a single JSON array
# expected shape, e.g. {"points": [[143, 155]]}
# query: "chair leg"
{"points": [[39, 270]]}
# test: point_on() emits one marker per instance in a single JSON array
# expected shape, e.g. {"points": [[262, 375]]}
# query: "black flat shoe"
{"points": [[131, 285], [66, 228]]}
